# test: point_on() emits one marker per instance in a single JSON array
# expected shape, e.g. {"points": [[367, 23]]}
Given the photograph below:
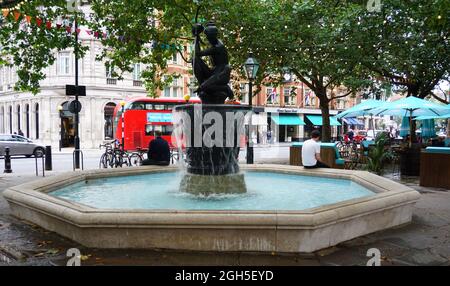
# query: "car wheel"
{"points": [[39, 152]]}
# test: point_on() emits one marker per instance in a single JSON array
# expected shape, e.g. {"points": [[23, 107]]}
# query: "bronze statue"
{"points": [[213, 81]]}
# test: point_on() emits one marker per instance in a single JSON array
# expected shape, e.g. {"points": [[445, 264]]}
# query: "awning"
{"points": [[316, 120], [353, 121], [288, 120]]}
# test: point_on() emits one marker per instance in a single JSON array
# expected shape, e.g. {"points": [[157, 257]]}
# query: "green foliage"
{"points": [[406, 44], [379, 155]]}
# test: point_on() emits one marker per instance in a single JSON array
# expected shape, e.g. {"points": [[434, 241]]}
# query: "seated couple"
{"points": [[311, 152], [158, 152]]}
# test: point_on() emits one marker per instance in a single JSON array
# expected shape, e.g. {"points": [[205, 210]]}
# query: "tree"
{"points": [[30, 36], [408, 44], [307, 38]]}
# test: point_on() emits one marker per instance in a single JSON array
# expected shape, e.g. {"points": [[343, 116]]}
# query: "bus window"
{"points": [[148, 106], [166, 130], [137, 106], [159, 107], [170, 106]]}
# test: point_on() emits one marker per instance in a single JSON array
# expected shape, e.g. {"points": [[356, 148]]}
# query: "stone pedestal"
{"points": [[209, 185], [212, 135]]}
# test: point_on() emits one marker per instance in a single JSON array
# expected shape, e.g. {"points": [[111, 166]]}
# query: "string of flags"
{"points": [[69, 27], [48, 24]]}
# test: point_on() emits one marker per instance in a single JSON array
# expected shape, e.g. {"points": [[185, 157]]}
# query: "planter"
{"points": [[410, 162]]}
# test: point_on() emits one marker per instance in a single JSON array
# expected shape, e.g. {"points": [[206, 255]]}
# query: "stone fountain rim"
{"points": [[34, 195]]}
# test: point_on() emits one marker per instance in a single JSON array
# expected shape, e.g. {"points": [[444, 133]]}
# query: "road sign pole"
{"points": [[77, 114]]}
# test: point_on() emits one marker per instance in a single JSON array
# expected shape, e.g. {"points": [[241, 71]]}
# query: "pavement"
{"points": [[425, 241]]}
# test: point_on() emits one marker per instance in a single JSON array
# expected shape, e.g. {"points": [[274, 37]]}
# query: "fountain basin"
{"points": [[281, 231]]}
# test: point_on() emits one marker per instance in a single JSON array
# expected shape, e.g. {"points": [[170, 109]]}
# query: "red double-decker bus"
{"points": [[144, 116]]}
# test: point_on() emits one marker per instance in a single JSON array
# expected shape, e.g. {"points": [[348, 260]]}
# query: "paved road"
{"points": [[62, 161]]}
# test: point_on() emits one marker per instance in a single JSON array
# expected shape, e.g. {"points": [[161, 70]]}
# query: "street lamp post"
{"points": [[60, 111], [77, 114], [251, 67], [122, 104]]}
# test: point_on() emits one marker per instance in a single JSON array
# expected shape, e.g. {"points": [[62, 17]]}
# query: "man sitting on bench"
{"points": [[311, 152], [158, 152]]}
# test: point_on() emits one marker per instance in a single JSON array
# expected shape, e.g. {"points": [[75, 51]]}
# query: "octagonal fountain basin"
{"points": [[271, 209]]}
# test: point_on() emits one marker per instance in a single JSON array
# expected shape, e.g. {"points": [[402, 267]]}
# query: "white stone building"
{"points": [[39, 116]]}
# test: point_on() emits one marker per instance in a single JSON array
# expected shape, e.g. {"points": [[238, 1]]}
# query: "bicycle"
{"points": [[136, 158], [107, 158]]}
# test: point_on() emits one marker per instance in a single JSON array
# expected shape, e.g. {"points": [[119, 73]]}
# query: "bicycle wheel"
{"points": [[135, 160], [104, 161]]}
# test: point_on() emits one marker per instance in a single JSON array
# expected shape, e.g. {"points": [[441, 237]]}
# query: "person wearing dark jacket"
{"points": [[158, 152]]}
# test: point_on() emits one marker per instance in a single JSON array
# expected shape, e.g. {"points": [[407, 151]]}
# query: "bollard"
{"points": [[8, 169], [48, 158]]}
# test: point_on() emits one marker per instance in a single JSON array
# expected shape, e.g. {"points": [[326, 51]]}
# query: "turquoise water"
{"points": [[265, 191]]}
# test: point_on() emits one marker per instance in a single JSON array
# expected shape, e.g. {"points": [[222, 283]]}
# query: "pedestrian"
{"points": [[311, 152], [350, 135], [21, 133], [158, 152]]}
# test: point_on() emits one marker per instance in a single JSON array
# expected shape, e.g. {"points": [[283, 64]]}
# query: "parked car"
{"points": [[19, 145], [360, 136]]}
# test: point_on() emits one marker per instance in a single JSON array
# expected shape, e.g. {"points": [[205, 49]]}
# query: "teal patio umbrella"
{"points": [[361, 109], [412, 107], [405, 127], [428, 130]]}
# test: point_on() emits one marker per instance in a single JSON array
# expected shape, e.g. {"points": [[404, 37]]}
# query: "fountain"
{"points": [[216, 205], [212, 131]]}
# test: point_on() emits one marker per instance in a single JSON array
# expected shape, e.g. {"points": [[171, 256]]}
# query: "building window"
{"points": [[109, 71], [243, 92], [10, 120], [109, 114], [137, 72], [192, 86], [27, 118], [19, 123], [175, 89], [174, 59], [289, 95], [64, 64], [36, 114], [2, 120], [309, 98], [272, 96]]}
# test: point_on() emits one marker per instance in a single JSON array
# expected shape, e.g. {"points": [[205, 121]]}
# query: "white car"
{"points": [[19, 145]]}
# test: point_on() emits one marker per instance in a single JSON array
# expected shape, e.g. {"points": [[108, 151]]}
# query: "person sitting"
{"points": [[158, 152], [351, 135], [311, 152]]}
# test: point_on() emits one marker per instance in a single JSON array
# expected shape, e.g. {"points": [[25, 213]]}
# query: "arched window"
{"points": [[109, 114], [36, 114], [10, 120], [19, 123], [27, 118], [2, 120]]}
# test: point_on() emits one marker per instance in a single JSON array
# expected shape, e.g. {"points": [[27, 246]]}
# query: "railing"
{"points": [[137, 83], [111, 81], [8, 169]]}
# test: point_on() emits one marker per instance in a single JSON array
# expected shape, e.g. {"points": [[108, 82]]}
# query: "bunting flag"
{"points": [[16, 15], [65, 23]]}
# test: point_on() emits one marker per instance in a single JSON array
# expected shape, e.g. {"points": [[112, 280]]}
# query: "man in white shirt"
{"points": [[311, 152]]}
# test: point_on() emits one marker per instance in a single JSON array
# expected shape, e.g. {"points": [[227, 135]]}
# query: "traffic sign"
{"points": [[75, 106], [74, 90]]}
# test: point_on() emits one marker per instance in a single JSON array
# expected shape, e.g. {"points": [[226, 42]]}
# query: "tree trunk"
{"points": [[326, 128]]}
